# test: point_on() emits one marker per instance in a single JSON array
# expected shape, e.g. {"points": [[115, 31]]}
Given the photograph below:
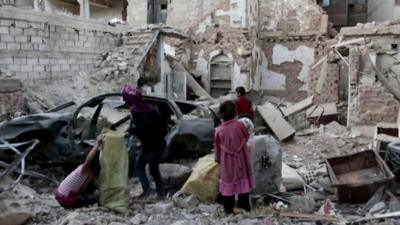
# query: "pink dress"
{"points": [[233, 155]]}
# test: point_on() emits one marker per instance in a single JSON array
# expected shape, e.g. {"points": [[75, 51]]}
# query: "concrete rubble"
{"points": [[325, 143]]}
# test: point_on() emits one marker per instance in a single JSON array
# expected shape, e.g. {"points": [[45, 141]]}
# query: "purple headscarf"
{"points": [[133, 98]]}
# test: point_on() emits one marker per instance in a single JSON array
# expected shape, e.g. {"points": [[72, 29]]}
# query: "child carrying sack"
{"points": [[203, 182], [113, 177]]}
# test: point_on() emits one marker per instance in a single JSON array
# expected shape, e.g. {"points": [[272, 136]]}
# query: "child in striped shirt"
{"points": [[73, 192]]}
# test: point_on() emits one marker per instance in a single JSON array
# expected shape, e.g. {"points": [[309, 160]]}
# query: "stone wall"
{"points": [[39, 47]]}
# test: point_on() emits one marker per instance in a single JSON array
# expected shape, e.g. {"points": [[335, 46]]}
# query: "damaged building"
{"points": [[321, 76]]}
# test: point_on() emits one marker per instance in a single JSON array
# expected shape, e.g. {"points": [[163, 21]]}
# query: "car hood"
{"points": [[51, 122]]}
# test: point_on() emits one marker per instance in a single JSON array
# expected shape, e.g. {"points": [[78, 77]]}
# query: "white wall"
{"points": [[383, 10], [107, 13], [54, 6]]}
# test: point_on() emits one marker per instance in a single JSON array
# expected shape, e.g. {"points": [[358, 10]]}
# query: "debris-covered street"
{"points": [[199, 112]]}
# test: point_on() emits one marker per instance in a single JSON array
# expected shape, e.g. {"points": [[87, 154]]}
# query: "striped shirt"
{"points": [[72, 185]]}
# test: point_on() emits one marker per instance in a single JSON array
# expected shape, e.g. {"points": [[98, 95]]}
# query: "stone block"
{"points": [[71, 60], [30, 32], [3, 46], [26, 68], [7, 23], [4, 30], [32, 61], [6, 60], [65, 67], [35, 39], [18, 60], [21, 39], [34, 75], [16, 31], [43, 47], [75, 67], [22, 75], [38, 68], [7, 38], [14, 68], [13, 46], [63, 61], [56, 68], [44, 61], [26, 47], [21, 24]]}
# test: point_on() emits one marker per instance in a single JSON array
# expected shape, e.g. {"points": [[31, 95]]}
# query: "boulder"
{"points": [[173, 175], [17, 206]]}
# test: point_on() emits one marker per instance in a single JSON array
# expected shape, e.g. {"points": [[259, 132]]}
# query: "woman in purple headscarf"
{"points": [[148, 125]]}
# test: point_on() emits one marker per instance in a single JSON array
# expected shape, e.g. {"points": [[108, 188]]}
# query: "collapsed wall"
{"points": [[370, 98], [292, 37]]}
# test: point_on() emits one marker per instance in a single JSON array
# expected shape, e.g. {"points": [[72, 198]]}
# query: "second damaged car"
{"points": [[68, 132]]}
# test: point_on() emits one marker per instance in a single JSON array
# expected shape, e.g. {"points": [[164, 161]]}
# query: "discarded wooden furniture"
{"points": [[357, 176], [322, 114]]}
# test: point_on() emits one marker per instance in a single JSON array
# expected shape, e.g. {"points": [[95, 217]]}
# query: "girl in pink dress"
{"points": [[233, 156]]}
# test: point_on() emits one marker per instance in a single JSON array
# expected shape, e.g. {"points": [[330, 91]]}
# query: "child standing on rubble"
{"points": [[77, 189], [150, 128], [233, 156], [244, 105]]}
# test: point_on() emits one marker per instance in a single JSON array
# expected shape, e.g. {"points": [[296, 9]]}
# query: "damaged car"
{"points": [[68, 132]]}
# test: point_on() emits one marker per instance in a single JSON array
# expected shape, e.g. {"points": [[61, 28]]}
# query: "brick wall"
{"points": [[40, 48], [376, 104]]}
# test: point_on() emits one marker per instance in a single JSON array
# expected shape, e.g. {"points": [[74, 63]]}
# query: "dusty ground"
{"points": [[305, 153]]}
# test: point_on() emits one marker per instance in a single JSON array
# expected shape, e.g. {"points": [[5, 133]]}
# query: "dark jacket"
{"points": [[151, 129]]}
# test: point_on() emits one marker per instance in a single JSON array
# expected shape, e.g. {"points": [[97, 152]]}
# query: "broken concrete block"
{"points": [[299, 106], [139, 219], [377, 207], [185, 202], [291, 180], [302, 204], [267, 164], [274, 119], [163, 207]]}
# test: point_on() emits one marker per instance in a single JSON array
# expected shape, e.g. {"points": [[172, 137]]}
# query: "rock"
{"points": [[18, 206], [302, 204], [205, 208], [123, 66], [173, 175], [163, 207], [139, 219], [183, 222], [335, 128], [248, 222], [377, 207], [74, 218], [187, 202]]}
